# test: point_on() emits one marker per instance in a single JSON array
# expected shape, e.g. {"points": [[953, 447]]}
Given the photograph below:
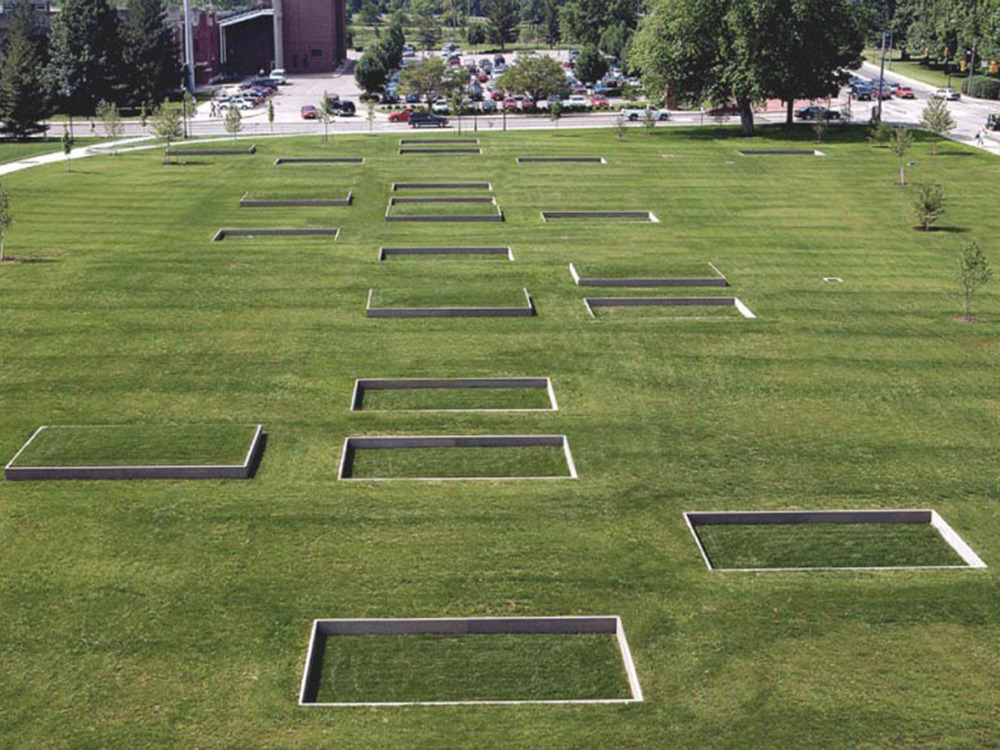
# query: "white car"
{"points": [[947, 94], [637, 115], [240, 102], [278, 75]]}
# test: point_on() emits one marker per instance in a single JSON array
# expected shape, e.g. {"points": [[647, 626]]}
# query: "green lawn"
{"points": [[459, 463], [15, 150], [398, 399], [471, 667], [166, 614], [933, 73], [139, 445], [875, 545]]}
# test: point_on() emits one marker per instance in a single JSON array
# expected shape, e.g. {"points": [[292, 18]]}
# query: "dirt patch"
{"points": [[966, 319]]}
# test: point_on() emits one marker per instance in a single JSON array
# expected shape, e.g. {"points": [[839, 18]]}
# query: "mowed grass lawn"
{"points": [[177, 614]]}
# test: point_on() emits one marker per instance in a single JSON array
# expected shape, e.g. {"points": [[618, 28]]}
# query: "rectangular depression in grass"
{"points": [[434, 303], [458, 208], [780, 152], [397, 186], [331, 232], [759, 541], [138, 452], [257, 200], [682, 306], [675, 273], [647, 216], [213, 151], [561, 160], [453, 141], [385, 253], [453, 394], [314, 160], [441, 150], [457, 661], [456, 457]]}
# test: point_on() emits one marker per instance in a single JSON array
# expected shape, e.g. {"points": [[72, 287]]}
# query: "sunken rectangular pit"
{"points": [[691, 277], [429, 662], [561, 160], [212, 151], [780, 152], [138, 452], [464, 208], [593, 303], [405, 304], [307, 160], [765, 541], [250, 201], [441, 150], [397, 186], [277, 232], [432, 458], [432, 141], [454, 394], [649, 216], [385, 253]]}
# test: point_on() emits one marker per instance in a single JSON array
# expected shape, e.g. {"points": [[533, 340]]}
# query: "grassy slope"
{"points": [[825, 545], [472, 667], [933, 74], [14, 150], [159, 614], [125, 445]]}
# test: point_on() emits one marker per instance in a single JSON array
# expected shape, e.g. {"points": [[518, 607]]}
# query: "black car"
{"points": [[817, 113], [427, 120], [345, 108]]}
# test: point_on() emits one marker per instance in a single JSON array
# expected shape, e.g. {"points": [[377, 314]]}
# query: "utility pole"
{"points": [[881, 77], [188, 46]]}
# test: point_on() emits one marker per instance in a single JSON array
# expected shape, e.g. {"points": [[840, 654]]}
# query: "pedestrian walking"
{"points": [[980, 138]]}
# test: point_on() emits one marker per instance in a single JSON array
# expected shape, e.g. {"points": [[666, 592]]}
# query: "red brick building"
{"points": [[301, 36]]}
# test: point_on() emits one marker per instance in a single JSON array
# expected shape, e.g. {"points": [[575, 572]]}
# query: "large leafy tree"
{"points": [[432, 79], [538, 76], [502, 18], [22, 102], [149, 53], [85, 60]]}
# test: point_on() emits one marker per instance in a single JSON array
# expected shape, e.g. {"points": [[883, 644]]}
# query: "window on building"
{"points": [[317, 53]]}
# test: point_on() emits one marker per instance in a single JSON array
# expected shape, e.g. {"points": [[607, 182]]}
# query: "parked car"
{"points": [[409, 50], [816, 113], [440, 107], [389, 97], [905, 92], [309, 112], [499, 59], [723, 110], [633, 114], [401, 115], [488, 105], [577, 102], [486, 66], [948, 94], [412, 99], [239, 102], [346, 108], [278, 74], [864, 93], [510, 104], [427, 120], [599, 101]]}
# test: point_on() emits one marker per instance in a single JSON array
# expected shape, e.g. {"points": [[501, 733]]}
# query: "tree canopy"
{"points": [[538, 76]]}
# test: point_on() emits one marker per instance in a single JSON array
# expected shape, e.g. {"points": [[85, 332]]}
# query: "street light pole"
{"points": [[881, 78], [188, 46]]}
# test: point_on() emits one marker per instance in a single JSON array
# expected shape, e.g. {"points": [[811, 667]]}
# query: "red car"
{"points": [[497, 96], [510, 104], [905, 92], [309, 112], [723, 110], [402, 115], [599, 101]]}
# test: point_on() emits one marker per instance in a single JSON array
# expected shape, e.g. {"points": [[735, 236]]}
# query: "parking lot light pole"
{"points": [[881, 77]]}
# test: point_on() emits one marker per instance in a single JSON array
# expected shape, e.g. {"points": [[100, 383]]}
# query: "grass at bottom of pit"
{"points": [[398, 399], [139, 445], [668, 312], [646, 269], [457, 463], [381, 668], [862, 545], [444, 209], [446, 296]]}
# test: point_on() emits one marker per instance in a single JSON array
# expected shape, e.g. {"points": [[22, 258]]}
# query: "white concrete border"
{"points": [[833, 279], [133, 471], [366, 384], [561, 160], [639, 216], [324, 629], [694, 519], [404, 442], [591, 302], [487, 186]]}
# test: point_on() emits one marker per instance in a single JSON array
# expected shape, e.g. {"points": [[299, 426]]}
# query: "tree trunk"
{"points": [[2, 239], [790, 112], [968, 304], [746, 116], [902, 174]]}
